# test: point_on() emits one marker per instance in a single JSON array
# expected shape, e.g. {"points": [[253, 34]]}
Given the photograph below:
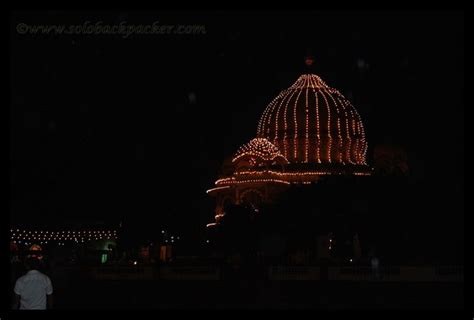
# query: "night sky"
{"points": [[136, 129]]}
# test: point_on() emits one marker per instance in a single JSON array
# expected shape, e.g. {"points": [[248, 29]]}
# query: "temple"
{"points": [[308, 131]]}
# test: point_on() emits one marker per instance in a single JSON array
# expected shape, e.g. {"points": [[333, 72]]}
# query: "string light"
{"points": [[217, 189], [263, 119], [62, 235], [329, 146], [305, 137], [290, 175], [219, 216], [340, 141], [232, 180], [349, 140], [339, 133], [313, 132], [285, 126], [276, 116], [295, 136], [261, 148], [353, 133], [306, 128], [318, 135], [364, 143]]}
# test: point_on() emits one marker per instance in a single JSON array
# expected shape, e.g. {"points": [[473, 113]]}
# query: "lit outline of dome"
{"points": [[261, 148], [350, 145]]}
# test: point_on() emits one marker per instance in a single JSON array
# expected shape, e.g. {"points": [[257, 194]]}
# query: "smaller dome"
{"points": [[259, 148]]}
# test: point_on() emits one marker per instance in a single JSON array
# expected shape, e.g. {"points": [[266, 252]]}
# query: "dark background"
{"points": [[135, 130]]}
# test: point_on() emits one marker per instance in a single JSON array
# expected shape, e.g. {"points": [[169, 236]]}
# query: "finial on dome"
{"points": [[309, 60]]}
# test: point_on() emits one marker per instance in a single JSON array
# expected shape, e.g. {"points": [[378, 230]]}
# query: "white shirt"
{"points": [[32, 289]]}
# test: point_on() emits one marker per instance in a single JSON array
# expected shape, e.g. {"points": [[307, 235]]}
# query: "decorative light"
{"points": [[295, 136], [306, 129], [329, 147], [308, 139], [217, 188], [307, 147], [276, 116], [60, 235], [285, 124], [264, 116], [261, 148], [318, 135], [232, 180], [289, 174]]}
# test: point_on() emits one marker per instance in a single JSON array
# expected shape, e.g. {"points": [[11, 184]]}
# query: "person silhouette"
{"points": [[375, 264], [34, 290]]}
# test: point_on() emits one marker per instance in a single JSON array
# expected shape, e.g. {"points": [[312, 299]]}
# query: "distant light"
{"points": [[177, 238], [350, 260], [162, 231], [207, 241], [134, 263]]}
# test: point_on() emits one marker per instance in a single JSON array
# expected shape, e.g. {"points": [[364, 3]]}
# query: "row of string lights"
{"points": [[45, 236]]}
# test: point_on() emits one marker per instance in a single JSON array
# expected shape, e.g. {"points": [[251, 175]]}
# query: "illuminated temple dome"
{"points": [[259, 149], [312, 123], [308, 131]]}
